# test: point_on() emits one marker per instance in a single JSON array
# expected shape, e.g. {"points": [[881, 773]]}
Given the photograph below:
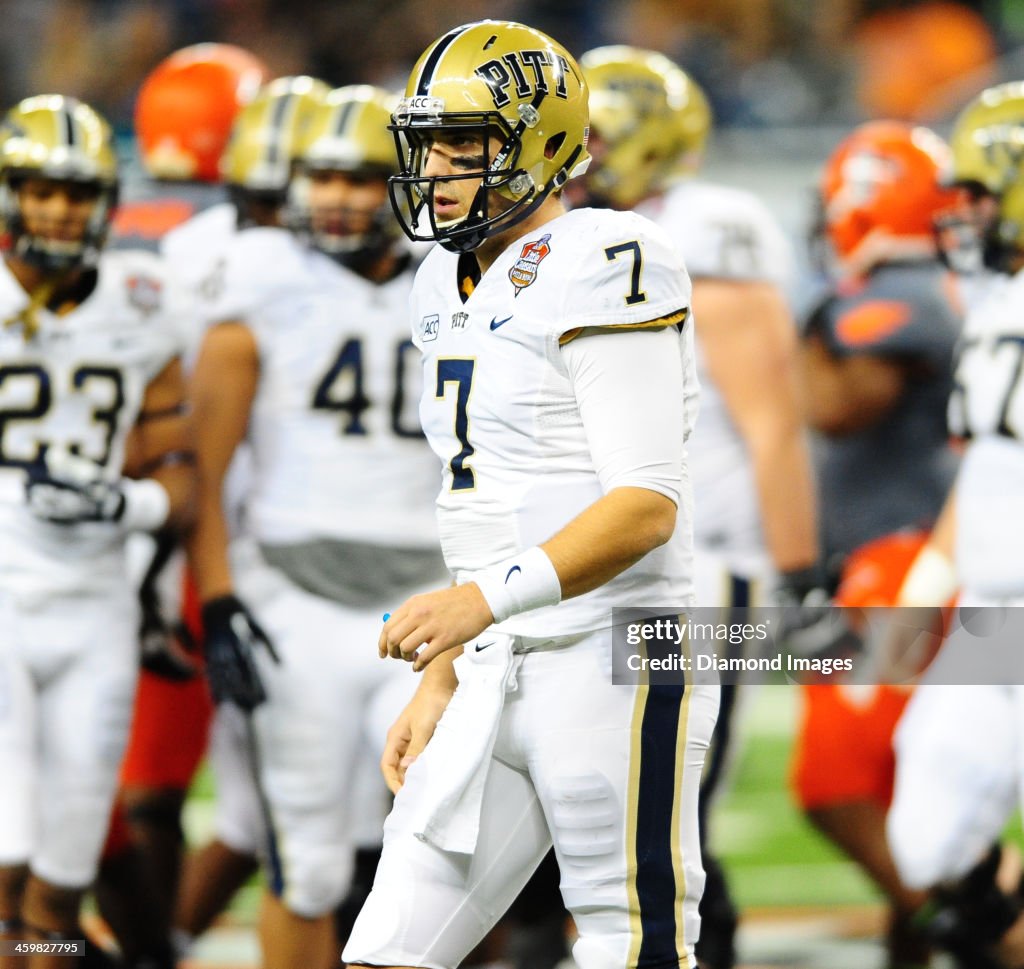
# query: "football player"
{"points": [[957, 747], [549, 340], [316, 371], [256, 167], [94, 446], [183, 117], [753, 490], [878, 362]]}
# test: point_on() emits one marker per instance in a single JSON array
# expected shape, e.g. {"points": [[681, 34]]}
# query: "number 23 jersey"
{"points": [[76, 385], [498, 405]]}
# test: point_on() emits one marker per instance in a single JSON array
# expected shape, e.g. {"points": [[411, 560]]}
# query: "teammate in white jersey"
{"points": [[93, 445], [958, 767], [753, 489], [319, 374], [549, 339]]}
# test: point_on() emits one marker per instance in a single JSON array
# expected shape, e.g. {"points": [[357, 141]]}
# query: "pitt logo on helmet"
{"points": [[498, 75]]}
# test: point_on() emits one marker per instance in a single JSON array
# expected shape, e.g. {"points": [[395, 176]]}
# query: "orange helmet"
{"points": [[186, 106], [885, 178]]}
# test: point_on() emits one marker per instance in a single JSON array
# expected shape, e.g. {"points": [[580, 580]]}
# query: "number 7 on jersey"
{"points": [[458, 371]]}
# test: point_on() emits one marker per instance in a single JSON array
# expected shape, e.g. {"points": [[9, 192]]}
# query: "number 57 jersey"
{"points": [[75, 384], [499, 407]]}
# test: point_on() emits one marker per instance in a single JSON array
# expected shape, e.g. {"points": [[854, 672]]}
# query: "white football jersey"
{"points": [[76, 385], [337, 448], [987, 408], [499, 409], [726, 234], [197, 254]]}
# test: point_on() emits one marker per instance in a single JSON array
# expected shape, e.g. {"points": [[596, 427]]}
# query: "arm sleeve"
{"points": [[630, 390]]}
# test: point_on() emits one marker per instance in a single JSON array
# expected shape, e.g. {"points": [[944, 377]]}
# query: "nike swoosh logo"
{"points": [[515, 568], [480, 647], [495, 322]]}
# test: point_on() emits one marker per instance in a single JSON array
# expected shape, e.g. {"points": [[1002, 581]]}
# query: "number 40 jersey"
{"points": [[337, 448], [75, 384]]}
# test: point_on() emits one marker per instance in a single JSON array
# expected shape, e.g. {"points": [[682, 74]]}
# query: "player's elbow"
{"points": [[654, 519]]}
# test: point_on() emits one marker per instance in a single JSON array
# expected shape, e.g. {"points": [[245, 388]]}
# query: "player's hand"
{"points": [[410, 733], [425, 626], [167, 650], [66, 489], [232, 640], [808, 624]]}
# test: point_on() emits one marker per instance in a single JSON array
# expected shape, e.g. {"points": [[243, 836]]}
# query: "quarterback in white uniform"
{"points": [[319, 375], [550, 341], [958, 762], [90, 390]]}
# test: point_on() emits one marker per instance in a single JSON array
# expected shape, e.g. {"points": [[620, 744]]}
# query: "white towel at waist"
{"points": [[447, 786]]}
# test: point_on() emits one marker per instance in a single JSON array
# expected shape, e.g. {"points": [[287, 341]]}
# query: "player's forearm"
{"points": [[439, 679], [607, 538], [784, 481], [207, 548]]}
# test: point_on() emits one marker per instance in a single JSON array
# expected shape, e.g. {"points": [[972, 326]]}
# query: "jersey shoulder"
{"points": [[724, 232], [906, 311], [620, 270], [206, 230], [260, 266]]}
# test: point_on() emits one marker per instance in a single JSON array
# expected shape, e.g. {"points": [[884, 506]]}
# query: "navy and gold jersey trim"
{"points": [[678, 318]]}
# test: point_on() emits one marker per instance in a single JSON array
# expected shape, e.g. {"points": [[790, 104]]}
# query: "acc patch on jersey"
{"points": [[144, 293], [524, 270]]}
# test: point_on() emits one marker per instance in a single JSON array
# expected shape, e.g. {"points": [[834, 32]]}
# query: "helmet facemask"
{"points": [[352, 236], [45, 253], [53, 141], [413, 193]]}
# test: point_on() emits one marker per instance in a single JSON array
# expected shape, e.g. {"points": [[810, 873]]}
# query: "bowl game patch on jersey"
{"points": [[524, 270]]}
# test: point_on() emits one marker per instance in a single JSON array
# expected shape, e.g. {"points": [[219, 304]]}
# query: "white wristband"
{"points": [[930, 581], [146, 504], [524, 582]]}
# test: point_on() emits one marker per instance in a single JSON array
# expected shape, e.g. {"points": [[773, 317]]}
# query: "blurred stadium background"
{"points": [[786, 78]]}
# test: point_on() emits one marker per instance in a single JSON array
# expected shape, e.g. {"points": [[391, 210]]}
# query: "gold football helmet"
{"points": [[59, 138], [504, 81], [988, 157], [652, 118], [348, 133], [258, 161]]}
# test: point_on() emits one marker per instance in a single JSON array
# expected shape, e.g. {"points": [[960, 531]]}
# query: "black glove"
{"points": [[808, 625], [166, 647], [232, 638], [66, 489]]}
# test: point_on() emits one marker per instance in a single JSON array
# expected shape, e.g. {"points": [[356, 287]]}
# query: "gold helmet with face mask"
{"points": [[59, 138], [651, 117], [515, 87], [988, 157], [348, 133], [264, 138]]}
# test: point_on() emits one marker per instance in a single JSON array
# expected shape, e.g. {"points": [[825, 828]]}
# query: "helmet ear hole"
{"points": [[553, 144]]}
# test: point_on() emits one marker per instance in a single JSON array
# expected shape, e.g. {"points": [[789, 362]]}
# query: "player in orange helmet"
{"points": [[878, 357], [187, 105]]}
